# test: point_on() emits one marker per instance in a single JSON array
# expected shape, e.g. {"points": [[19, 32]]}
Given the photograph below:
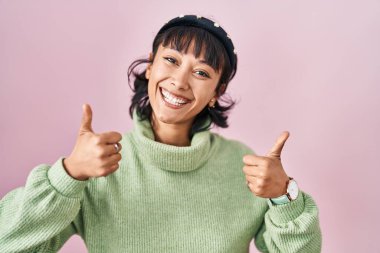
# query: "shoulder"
{"points": [[231, 145]]}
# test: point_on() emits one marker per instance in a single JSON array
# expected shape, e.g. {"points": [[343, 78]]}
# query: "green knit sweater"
{"points": [[162, 198]]}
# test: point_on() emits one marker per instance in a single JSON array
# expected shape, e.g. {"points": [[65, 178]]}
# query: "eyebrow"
{"points": [[200, 61]]}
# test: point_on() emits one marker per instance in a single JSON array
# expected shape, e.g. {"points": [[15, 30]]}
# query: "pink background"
{"points": [[309, 67]]}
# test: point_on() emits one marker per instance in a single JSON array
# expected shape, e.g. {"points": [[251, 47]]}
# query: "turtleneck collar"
{"points": [[170, 157]]}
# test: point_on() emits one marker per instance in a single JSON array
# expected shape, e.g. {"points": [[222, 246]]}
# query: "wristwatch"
{"points": [[291, 193]]}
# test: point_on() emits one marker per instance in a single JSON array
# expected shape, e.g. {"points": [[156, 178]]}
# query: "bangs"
{"points": [[180, 38]]}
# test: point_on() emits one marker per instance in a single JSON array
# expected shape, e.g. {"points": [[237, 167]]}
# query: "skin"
{"points": [[185, 75], [265, 175], [94, 154]]}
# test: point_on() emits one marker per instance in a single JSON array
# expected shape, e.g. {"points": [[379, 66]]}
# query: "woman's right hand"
{"points": [[94, 155]]}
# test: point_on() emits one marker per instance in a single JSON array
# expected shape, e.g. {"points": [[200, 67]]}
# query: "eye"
{"points": [[203, 74], [170, 59]]}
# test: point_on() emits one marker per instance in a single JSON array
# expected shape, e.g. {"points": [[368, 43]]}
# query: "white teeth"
{"points": [[171, 99]]}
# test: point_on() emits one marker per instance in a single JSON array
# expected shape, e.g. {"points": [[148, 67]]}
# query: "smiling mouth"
{"points": [[172, 100]]}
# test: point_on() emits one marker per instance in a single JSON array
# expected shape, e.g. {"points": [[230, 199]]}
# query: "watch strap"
{"points": [[280, 200]]}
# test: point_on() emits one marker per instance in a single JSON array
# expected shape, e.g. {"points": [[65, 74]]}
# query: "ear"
{"points": [[148, 69], [213, 100], [147, 72]]}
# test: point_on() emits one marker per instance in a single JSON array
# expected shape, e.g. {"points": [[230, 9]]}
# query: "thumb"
{"points": [[86, 119], [277, 148]]}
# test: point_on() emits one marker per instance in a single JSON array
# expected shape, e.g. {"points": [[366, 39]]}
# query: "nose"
{"points": [[180, 78]]}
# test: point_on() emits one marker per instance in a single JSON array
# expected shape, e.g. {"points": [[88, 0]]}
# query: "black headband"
{"points": [[210, 26]]}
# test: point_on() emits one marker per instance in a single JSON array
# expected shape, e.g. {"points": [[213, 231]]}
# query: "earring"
{"points": [[212, 103]]}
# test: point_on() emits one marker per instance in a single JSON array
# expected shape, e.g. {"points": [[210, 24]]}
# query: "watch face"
{"points": [[293, 189]]}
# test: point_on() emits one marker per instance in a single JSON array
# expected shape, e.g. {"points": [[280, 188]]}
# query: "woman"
{"points": [[178, 187]]}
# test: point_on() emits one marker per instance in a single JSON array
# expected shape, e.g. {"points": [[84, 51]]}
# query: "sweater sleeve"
{"points": [[42, 215], [291, 227]]}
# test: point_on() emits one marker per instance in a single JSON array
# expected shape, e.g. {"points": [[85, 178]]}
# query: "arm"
{"points": [[292, 227], [42, 215]]}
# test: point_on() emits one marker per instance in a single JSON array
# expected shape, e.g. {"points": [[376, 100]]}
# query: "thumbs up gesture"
{"points": [[265, 175], [94, 155]]}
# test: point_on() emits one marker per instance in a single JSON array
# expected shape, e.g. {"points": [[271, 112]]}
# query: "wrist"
{"points": [[292, 192], [285, 186], [68, 166]]}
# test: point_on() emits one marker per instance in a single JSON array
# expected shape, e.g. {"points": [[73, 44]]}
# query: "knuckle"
{"points": [[102, 164], [256, 191], [102, 172], [262, 174], [260, 184], [99, 152]]}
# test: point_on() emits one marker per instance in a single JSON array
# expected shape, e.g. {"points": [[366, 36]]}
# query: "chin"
{"points": [[167, 118]]}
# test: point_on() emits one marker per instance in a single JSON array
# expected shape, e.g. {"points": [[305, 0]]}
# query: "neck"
{"points": [[171, 134]]}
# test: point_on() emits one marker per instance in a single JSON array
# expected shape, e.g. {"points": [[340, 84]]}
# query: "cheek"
{"points": [[159, 71], [203, 95]]}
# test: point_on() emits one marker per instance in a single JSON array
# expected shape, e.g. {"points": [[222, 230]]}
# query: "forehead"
{"points": [[189, 50], [197, 41]]}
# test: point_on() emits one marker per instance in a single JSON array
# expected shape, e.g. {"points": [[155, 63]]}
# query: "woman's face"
{"points": [[180, 85]]}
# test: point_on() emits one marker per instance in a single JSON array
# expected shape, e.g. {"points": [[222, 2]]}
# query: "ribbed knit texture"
{"points": [[162, 198]]}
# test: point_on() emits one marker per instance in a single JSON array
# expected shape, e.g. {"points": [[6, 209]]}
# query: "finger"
{"points": [[110, 137], [250, 179], [112, 160], [277, 148], [253, 171], [114, 167], [109, 149], [86, 123], [255, 160]]}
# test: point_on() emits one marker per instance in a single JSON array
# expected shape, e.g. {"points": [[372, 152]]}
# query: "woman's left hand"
{"points": [[265, 175]]}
